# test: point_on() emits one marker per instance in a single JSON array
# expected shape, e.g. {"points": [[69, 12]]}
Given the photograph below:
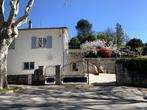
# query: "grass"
{"points": [[10, 90]]}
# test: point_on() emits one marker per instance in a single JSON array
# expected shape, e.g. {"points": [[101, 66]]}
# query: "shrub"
{"points": [[144, 51], [104, 52], [137, 71], [135, 65], [135, 43]]}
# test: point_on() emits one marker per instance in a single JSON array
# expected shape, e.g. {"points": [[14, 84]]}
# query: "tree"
{"points": [[84, 29], [74, 43], [8, 32], [135, 43], [119, 35], [104, 36]]}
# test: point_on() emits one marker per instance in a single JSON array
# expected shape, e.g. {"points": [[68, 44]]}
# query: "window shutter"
{"points": [[49, 41], [12, 45], [34, 41]]}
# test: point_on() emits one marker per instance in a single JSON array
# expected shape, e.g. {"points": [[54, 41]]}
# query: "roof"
{"points": [[46, 28], [43, 28]]}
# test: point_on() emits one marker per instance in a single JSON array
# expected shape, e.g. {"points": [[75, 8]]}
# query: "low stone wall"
{"points": [[123, 77], [107, 63], [17, 79]]}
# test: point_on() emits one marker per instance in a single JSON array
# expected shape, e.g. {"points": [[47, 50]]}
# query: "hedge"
{"points": [[135, 65]]}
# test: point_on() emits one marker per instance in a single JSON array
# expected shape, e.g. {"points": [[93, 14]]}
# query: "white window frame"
{"points": [[29, 66]]}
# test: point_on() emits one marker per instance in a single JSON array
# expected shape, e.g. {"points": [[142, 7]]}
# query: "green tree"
{"points": [[104, 36], [74, 43], [135, 43], [119, 35], [84, 28]]}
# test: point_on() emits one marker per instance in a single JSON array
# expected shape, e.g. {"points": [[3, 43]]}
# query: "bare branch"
{"points": [[14, 11], [23, 19], [1, 12]]}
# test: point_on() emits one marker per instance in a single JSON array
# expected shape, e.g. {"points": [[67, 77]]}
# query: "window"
{"points": [[28, 65], [74, 67], [42, 42]]}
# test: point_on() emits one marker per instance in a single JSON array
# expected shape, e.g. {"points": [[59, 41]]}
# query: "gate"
{"points": [[53, 75], [50, 74], [75, 72]]}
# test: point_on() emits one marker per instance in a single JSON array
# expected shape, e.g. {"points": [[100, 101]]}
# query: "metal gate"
{"points": [[50, 74], [53, 75]]}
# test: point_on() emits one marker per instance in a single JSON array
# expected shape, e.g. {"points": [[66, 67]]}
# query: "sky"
{"points": [[102, 14]]}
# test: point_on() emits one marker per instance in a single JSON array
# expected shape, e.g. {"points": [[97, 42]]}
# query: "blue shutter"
{"points": [[49, 41], [12, 45], [34, 42]]}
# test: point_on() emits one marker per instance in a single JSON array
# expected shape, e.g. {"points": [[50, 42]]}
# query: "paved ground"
{"points": [[102, 78], [77, 97]]}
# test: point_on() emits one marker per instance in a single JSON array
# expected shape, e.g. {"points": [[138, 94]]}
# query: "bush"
{"points": [[144, 51], [104, 52], [135, 43], [91, 55], [135, 65], [116, 53], [136, 71]]}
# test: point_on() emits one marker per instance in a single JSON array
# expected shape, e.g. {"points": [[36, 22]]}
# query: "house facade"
{"points": [[38, 48]]}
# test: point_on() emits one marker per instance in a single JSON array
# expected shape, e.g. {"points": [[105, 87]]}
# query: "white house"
{"points": [[38, 47]]}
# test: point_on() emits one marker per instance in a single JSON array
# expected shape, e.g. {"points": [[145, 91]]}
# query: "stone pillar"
{"points": [[30, 79], [58, 75]]}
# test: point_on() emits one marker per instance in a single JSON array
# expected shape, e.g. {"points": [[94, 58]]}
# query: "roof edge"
{"points": [[43, 28]]}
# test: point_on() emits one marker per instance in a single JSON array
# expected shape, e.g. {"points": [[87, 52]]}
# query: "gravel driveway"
{"points": [[76, 97]]}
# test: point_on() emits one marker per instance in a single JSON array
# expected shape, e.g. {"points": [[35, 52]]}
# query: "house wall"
{"points": [[23, 51]]}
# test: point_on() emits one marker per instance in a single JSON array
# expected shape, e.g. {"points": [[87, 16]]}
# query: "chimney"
{"points": [[30, 25]]}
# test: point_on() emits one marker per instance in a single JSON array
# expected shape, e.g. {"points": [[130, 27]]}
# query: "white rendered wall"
{"points": [[23, 51]]}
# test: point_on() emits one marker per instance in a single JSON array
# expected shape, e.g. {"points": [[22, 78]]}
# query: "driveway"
{"points": [[103, 78], [76, 97]]}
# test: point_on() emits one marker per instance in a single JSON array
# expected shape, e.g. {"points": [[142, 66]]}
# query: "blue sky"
{"points": [[131, 14]]}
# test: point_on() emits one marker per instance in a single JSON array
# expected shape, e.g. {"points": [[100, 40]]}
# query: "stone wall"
{"points": [[123, 77], [18, 79], [107, 63]]}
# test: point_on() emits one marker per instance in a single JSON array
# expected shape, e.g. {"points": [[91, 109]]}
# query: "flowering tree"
{"points": [[8, 32], [94, 46]]}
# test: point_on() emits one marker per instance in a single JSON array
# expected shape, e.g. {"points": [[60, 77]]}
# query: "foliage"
{"points": [[119, 35], [104, 52], [145, 44], [126, 38], [10, 90], [74, 43], [135, 65], [144, 50], [104, 36], [84, 28], [116, 53], [90, 49], [135, 43]]}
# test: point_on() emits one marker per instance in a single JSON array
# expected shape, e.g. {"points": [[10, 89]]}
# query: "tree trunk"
{"points": [[3, 66], [8, 32]]}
